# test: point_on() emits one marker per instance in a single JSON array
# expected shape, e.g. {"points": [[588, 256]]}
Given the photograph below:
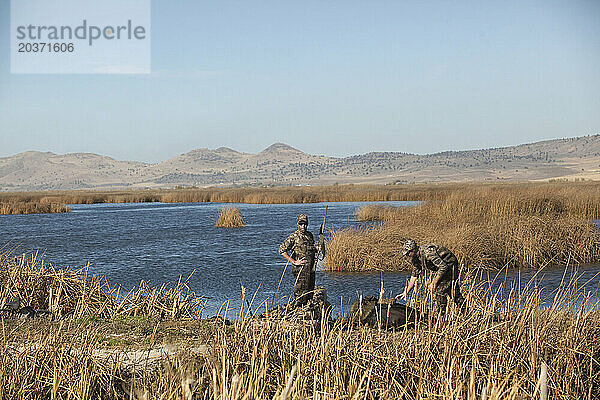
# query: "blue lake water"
{"points": [[159, 242]]}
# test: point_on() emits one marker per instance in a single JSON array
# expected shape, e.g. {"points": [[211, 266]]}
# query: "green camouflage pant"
{"points": [[447, 288], [304, 284]]}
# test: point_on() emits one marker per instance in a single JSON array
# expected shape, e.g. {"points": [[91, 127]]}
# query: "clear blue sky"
{"points": [[335, 78]]}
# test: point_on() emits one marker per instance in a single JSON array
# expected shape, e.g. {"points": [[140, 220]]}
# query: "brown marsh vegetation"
{"points": [[485, 226], [67, 292], [494, 352], [230, 217], [253, 195], [587, 205], [585, 195], [32, 207]]}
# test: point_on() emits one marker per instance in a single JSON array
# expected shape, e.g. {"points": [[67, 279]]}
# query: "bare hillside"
{"points": [[280, 164]]}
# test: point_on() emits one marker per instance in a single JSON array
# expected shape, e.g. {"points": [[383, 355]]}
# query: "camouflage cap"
{"points": [[409, 246], [302, 218]]}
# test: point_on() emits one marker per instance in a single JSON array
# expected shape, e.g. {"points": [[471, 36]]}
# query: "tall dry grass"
{"points": [[230, 217], [254, 195], [489, 227], [374, 212], [32, 207], [495, 351], [582, 198], [76, 293]]}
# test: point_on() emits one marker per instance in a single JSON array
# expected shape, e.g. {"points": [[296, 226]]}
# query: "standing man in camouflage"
{"points": [[440, 260], [303, 254]]}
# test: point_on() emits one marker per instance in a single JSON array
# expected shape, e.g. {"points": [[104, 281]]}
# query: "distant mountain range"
{"points": [[280, 164]]}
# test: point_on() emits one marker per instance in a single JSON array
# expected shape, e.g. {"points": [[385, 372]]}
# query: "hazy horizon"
{"points": [[336, 78]]}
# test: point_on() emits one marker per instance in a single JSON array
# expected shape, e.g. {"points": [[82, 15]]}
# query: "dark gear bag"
{"points": [[368, 311]]}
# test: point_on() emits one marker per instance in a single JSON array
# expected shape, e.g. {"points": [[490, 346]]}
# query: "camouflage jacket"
{"points": [[436, 258], [301, 244]]}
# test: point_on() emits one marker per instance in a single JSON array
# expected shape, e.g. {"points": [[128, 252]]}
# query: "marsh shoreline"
{"points": [[106, 350]]}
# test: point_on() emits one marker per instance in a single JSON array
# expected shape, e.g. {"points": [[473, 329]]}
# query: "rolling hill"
{"points": [[280, 164]]}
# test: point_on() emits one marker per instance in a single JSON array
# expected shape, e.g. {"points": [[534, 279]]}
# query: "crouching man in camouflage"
{"points": [[445, 282], [303, 254]]}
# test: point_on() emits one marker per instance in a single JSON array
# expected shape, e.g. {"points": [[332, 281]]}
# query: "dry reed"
{"points": [[32, 207], [373, 212], [230, 217], [76, 293], [489, 227], [582, 198], [254, 195], [495, 351]]}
